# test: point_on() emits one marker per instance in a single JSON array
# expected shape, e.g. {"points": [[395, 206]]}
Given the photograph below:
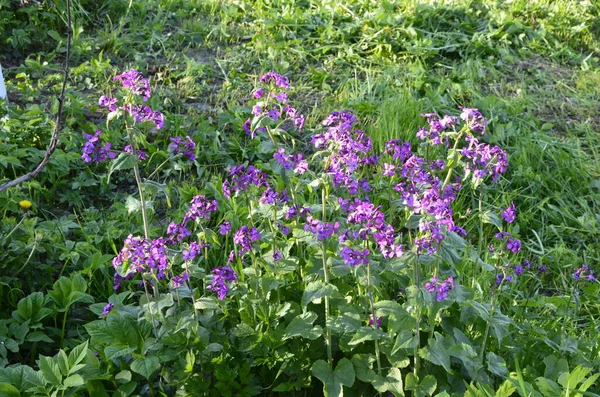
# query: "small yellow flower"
{"points": [[25, 204]]}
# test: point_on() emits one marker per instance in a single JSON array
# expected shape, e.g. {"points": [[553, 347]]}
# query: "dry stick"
{"points": [[59, 115]]}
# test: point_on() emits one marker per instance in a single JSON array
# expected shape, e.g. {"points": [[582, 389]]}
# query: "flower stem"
{"points": [[372, 303], [417, 277], [326, 279]]}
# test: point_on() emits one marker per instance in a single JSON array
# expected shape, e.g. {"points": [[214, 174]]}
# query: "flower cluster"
{"points": [[289, 161], [510, 214], [242, 177], [512, 244], [94, 150], [245, 236], [135, 83], [375, 321], [142, 113], [322, 230], [273, 104], [348, 149], [585, 273], [354, 257], [185, 147], [141, 256], [220, 277], [106, 310], [474, 119], [441, 289], [433, 135], [484, 160], [141, 155], [200, 208]]}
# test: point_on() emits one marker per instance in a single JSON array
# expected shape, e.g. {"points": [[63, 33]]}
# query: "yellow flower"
{"points": [[25, 204]]}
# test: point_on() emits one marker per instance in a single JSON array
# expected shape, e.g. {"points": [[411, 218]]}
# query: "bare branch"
{"points": [[59, 115]]}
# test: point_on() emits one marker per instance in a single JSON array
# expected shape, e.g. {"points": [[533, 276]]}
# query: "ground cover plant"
{"points": [[301, 198]]}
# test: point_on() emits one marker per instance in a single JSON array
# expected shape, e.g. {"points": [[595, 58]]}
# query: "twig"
{"points": [[59, 115]]}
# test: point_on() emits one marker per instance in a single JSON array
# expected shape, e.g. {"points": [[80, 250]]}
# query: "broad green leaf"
{"points": [[125, 389], [303, 326], [365, 334], [23, 377], [572, 379], [491, 218], [146, 366], [589, 382], [317, 290], [404, 340], [506, 389], [7, 390], [436, 353], [206, 303], [334, 381], [74, 380], [68, 290], [112, 352], [123, 376], [78, 354], [496, 364], [548, 387], [32, 308], [50, 370], [392, 383], [122, 162], [63, 362], [363, 367], [421, 389]]}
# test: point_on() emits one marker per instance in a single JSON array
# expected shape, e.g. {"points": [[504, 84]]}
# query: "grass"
{"points": [[531, 66]]}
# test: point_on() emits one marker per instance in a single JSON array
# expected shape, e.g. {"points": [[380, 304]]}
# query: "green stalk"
{"points": [[480, 242], [417, 276], [326, 279], [372, 303]]}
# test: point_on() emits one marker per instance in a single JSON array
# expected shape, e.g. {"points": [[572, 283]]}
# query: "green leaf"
{"points": [[436, 353], [32, 308], [50, 370], [63, 362], [548, 387], [206, 303], [424, 388], [112, 352], [572, 379], [317, 290], [496, 364], [67, 291], [363, 367], [123, 162], [22, 377], [334, 381], [78, 354], [404, 340], [392, 383], [491, 218], [74, 380], [145, 366], [303, 326], [506, 389], [123, 376], [125, 389], [7, 390], [365, 334]]}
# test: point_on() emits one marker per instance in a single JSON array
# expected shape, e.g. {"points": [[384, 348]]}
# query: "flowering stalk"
{"points": [[417, 276], [326, 279], [375, 322]]}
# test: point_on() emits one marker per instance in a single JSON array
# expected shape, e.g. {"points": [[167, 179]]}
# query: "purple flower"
{"points": [[259, 93], [377, 321], [277, 256], [186, 147], [220, 276], [277, 79], [142, 256], [107, 308], [441, 289], [194, 250], [179, 280], [388, 169], [141, 155], [501, 278], [323, 231], [200, 208], [141, 113], [242, 177], [584, 272], [245, 236], [224, 228], [135, 83], [513, 245], [510, 213], [94, 150], [108, 102], [474, 119], [177, 233], [354, 257]]}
